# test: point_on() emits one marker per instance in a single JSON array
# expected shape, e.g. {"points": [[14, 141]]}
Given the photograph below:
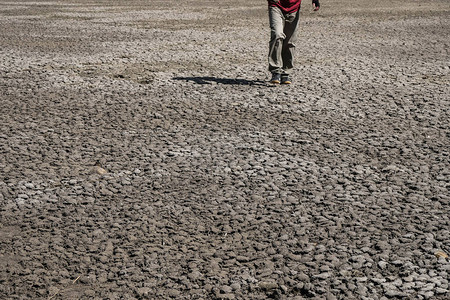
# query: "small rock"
{"points": [[361, 289], [397, 263], [89, 293], [29, 185], [394, 293], [53, 290], [428, 287], [408, 285], [236, 286], [173, 293], [100, 170], [397, 282], [382, 245], [302, 277], [299, 286], [382, 264], [440, 291], [267, 286], [426, 295], [378, 280], [361, 279], [225, 296], [331, 297], [323, 275], [143, 291], [242, 259], [195, 275], [441, 254], [408, 279]]}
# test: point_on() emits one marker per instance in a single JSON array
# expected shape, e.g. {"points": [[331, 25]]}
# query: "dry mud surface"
{"points": [[143, 154]]}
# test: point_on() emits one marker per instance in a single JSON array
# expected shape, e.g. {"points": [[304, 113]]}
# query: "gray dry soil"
{"points": [[143, 154]]}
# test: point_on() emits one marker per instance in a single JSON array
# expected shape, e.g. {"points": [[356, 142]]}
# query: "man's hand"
{"points": [[316, 5]]}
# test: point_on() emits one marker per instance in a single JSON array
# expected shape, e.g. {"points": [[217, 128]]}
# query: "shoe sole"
{"points": [[286, 82], [275, 81]]}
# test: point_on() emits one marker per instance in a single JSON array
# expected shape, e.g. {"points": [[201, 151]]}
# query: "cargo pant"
{"points": [[283, 34]]}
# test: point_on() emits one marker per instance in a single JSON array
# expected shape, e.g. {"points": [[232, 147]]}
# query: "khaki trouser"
{"points": [[283, 34]]}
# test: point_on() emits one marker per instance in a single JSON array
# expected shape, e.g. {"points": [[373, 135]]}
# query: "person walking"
{"points": [[283, 20]]}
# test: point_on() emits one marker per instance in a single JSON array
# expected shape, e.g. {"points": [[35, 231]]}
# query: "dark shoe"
{"points": [[285, 79], [276, 78]]}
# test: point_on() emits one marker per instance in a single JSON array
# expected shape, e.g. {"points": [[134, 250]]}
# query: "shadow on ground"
{"points": [[210, 80]]}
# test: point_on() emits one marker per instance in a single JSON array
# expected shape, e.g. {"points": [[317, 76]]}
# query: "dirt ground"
{"points": [[144, 155]]}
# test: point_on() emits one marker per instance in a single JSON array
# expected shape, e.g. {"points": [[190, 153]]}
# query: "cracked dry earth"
{"points": [[144, 155]]}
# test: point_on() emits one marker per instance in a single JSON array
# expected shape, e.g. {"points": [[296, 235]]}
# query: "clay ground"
{"points": [[143, 155]]}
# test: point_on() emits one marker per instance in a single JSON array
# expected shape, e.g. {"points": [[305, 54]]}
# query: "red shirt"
{"points": [[287, 6]]}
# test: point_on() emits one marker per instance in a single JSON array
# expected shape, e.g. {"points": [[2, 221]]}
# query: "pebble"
{"points": [[426, 294], [378, 280], [225, 289], [394, 293], [441, 291], [322, 275], [382, 264], [267, 286], [29, 185]]}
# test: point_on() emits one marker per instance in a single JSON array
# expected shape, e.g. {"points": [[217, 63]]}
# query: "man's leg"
{"points": [[290, 31], [277, 36]]}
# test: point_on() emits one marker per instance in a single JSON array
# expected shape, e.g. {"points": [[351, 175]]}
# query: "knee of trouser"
{"points": [[277, 35]]}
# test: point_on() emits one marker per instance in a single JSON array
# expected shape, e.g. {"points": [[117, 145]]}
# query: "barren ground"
{"points": [[143, 155]]}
